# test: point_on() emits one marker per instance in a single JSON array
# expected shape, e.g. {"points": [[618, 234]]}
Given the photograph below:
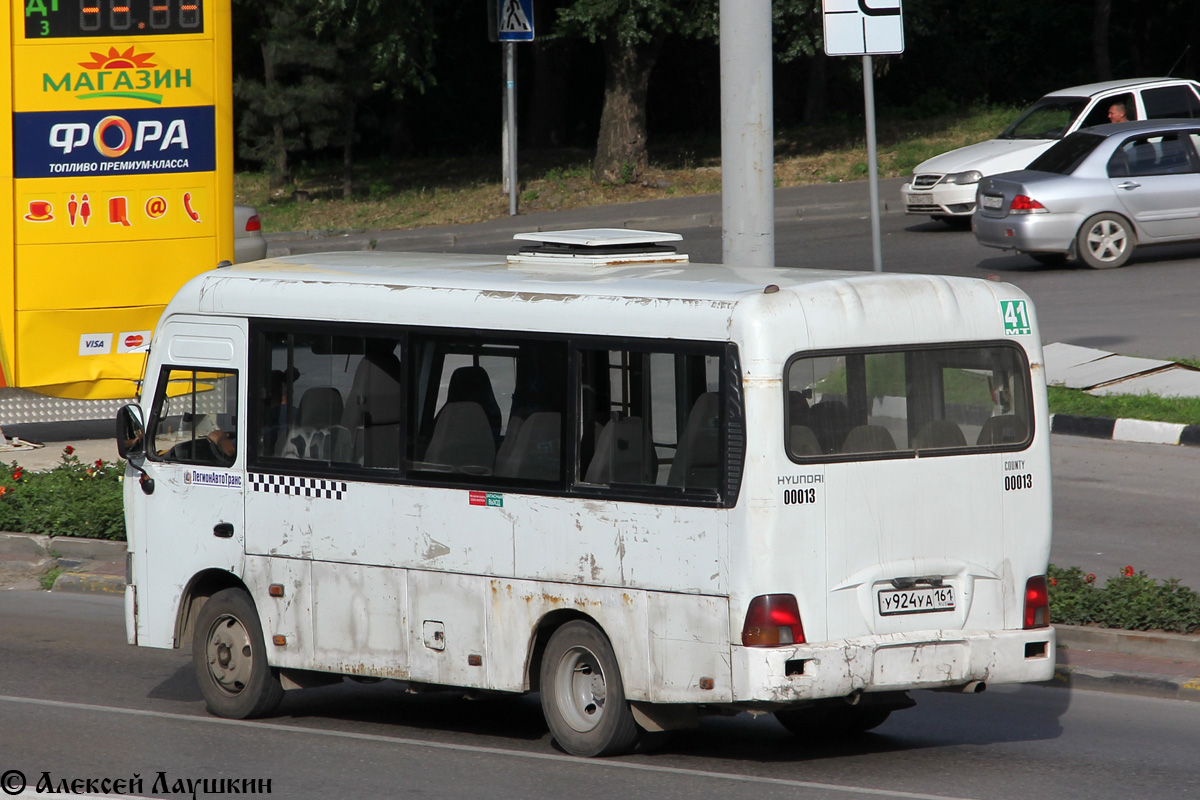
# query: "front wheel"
{"points": [[230, 658], [583, 698], [1105, 241]]}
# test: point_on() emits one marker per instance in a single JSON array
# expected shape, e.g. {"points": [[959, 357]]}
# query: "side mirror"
{"points": [[131, 433], [131, 442]]}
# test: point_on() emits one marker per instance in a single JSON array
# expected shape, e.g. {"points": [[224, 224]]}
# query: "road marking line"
{"points": [[477, 749]]}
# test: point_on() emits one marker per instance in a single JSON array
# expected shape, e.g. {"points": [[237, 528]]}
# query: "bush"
{"points": [[1131, 600], [72, 499]]}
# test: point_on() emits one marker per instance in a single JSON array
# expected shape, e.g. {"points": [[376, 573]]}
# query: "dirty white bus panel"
{"points": [[642, 487]]}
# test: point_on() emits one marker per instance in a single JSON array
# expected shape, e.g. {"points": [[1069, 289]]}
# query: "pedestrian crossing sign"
{"points": [[515, 20]]}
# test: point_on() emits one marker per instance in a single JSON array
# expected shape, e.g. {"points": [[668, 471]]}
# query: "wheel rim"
{"points": [[580, 689], [1107, 240], [230, 655]]}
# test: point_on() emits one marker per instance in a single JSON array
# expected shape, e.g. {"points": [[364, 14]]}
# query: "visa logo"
{"points": [[95, 344]]}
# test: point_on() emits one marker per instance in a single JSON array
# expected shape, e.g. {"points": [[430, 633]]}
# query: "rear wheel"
{"points": [[1105, 241], [230, 658], [583, 698]]}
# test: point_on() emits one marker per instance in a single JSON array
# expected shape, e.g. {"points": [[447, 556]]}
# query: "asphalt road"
{"points": [[77, 703]]}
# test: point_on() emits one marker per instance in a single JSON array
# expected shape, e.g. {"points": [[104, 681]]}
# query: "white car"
{"points": [[248, 241], [944, 186]]}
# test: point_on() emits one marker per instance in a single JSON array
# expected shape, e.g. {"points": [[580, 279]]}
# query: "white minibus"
{"points": [[647, 489]]}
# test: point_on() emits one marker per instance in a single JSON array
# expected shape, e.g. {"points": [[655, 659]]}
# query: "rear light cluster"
{"points": [[1037, 603], [1024, 204], [254, 224], [772, 620]]}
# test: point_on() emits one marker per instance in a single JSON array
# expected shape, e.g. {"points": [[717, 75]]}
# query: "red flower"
{"points": [[18, 473], [1127, 571], [1091, 577], [1054, 582], [99, 463], [3, 490], [68, 449]]}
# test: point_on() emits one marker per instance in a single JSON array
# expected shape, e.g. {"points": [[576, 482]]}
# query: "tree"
{"points": [[290, 104], [382, 46], [632, 33], [319, 64]]}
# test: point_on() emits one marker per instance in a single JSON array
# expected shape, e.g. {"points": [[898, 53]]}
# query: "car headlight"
{"points": [[970, 176]]}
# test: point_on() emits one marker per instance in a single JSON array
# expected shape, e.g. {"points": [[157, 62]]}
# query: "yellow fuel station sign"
{"points": [[121, 182]]}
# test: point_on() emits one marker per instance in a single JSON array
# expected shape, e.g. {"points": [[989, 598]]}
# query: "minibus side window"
{"points": [[650, 419], [194, 420], [487, 410], [329, 399]]}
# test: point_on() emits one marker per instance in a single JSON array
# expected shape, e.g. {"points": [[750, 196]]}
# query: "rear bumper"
{"points": [[1030, 233], [923, 660], [951, 200]]}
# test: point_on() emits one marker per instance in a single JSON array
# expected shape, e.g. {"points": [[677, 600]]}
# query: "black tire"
{"points": [[1105, 241], [827, 722], [583, 698], [230, 658], [1049, 259]]}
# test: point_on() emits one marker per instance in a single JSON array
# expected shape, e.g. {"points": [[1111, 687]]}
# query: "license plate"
{"points": [[919, 199], [915, 601], [993, 201]]}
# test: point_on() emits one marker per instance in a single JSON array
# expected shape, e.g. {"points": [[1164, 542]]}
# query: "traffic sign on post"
{"points": [[863, 27], [515, 20]]}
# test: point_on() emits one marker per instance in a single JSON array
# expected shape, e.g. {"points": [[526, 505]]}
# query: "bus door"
{"points": [[195, 444]]}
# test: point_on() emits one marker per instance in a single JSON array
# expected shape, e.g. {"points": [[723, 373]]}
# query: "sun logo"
{"points": [[115, 59]]}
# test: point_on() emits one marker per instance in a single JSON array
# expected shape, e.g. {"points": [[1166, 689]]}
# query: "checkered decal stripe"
{"points": [[301, 487]]}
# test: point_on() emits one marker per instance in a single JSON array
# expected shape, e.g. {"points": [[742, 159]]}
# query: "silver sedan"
{"points": [[1097, 194]]}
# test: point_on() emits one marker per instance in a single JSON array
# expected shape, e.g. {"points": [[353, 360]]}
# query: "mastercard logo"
{"points": [[133, 340]]}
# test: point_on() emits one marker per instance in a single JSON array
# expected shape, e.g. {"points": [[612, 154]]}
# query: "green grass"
{"points": [[48, 578], [1185, 410]]}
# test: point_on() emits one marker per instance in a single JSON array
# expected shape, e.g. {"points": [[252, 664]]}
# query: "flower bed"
{"points": [[72, 499]]}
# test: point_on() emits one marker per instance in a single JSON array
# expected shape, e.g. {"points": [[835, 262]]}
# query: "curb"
{"points": [[90, 566], [1069, 676], [1126, 430], [89, 583], [1168, 647]]}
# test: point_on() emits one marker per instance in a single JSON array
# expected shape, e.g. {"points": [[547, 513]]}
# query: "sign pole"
{"points": [[509, 22], [872, 162], [866, 28], [510, 101]]}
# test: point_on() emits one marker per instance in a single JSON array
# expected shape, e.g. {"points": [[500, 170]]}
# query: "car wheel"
{"points": [[230, 658], [1105, 241]]}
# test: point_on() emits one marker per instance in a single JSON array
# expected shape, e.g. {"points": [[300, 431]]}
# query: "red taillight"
{"points": [[771, 620], [1025, 203], [254, 223], [1037, 603]]}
